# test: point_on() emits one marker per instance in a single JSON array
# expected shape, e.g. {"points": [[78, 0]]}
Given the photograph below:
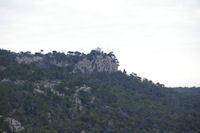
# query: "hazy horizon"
{"points": [[159, 40]]}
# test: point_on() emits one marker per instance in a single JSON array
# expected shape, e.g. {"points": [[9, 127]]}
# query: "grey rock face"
{"points": [[59, 64], [98, 64], [39, 91], [5, 80], [57, 93], [78, 102], [40, 61], [84, 66], [42, 87], [14, 125], [90, 63], [28, 60]]}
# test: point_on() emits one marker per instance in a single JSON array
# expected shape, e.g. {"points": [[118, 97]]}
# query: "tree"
{"points": [[70, 52], [124, 71], [77, 53], [54, 52]]}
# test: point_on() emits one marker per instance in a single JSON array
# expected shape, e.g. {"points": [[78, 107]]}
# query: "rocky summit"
{"points": [[95, 61]]}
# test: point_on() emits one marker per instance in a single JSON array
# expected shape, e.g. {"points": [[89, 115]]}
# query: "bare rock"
{"points": [[93, 99], [57, 93], [28, 59], [14, 125], [59, 63], [85, 88], [83, 131], [84, 66], [5, 80], [99, 64], [90, 63], [76, 96], [39, 91]]}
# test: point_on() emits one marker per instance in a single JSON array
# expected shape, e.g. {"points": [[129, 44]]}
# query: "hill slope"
{"points": [[79, 93]]}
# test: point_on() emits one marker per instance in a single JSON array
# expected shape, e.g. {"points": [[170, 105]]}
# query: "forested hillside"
{"points": [[86, 93]]}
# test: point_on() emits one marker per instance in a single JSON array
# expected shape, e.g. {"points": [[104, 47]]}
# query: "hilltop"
{"points": [[95, 61]]}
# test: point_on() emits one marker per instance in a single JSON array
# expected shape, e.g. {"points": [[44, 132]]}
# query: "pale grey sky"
{"points": [[157, 39]]}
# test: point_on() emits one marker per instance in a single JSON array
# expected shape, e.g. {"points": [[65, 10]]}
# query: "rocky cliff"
{"points": [[95, 61], [13, 125], [98, 64]]}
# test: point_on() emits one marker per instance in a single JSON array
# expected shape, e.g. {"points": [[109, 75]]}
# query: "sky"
{"points": [[158, 39]]}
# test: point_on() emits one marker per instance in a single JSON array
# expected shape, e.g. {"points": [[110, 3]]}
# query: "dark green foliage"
{"points": [[4, 126], [116, 102]]}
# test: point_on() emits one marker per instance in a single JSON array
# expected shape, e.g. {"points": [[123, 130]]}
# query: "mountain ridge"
{"points": [[95, 61]]}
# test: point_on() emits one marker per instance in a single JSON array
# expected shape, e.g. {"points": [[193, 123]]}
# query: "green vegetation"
{"points": [[94, 103]]}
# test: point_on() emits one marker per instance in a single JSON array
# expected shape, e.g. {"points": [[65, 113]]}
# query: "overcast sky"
{"points": [[157, 39]]}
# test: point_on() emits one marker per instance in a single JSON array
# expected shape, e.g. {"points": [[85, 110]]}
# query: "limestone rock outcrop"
{"points": [[96, 61], [14, 125], [28, 59], [98, 64]]}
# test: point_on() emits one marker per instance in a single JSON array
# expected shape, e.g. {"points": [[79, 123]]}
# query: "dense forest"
{"points": [[58, 93]]}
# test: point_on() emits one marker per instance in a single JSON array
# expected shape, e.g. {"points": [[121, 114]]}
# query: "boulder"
{"points": [[14, 125]]}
